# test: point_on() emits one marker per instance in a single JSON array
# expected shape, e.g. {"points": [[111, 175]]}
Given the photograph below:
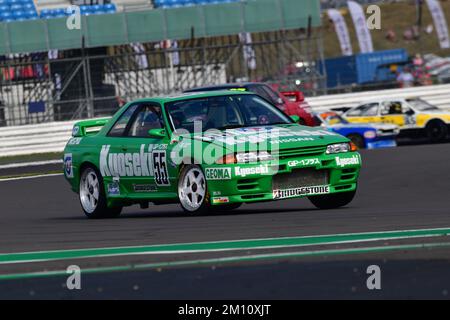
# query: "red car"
{"points": [[292, 102]]}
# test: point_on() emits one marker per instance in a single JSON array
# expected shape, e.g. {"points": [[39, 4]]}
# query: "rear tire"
{"points": [[332, 201], [92, 195], [436, 130]]}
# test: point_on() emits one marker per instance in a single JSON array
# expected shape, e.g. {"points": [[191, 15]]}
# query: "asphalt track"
{"points": [[405, 188]]}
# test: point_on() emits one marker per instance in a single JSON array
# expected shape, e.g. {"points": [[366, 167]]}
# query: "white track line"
{"points": [[32, 177], [29, 164]]}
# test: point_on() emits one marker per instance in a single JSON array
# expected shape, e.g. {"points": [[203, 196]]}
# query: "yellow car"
{"points": [[415, 117]]}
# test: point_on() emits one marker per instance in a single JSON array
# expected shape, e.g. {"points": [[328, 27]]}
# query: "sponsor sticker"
{"points": [[220, 200], [344, 162], [304, 162], [243, 172], [144, 188], [114, 188], [301, 191], [145, 163], [75, 131], [68, 165], [137, 164], [218, 173], [74, 141]]}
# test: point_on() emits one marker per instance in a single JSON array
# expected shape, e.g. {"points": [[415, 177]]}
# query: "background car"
{"points": [[414, 116], [292, 104], [368, 136]]}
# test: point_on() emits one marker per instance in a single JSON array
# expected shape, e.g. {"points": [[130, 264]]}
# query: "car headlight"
{"points": [[370, 134], [247, 157], [253, 157], [339, 148]]}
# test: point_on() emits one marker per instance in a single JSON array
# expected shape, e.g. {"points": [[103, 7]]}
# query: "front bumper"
{"points": [[381, 143], [294, 177]]}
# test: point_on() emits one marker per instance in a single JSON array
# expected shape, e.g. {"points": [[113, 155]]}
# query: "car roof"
{"points": [[224, 86], [191, 95]]}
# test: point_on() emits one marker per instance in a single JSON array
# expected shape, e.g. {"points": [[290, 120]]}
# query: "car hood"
{"points": [[435, 112], [273, 137]]}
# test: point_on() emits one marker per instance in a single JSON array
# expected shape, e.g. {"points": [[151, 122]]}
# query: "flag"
{"points": [[341, 30], [362, 32], [440, 23]]}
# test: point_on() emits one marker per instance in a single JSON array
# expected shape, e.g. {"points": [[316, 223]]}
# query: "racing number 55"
{"points": [[160, 168]]}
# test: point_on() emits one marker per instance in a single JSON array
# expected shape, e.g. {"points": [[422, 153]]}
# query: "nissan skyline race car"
{"points": [[207, 151], [370, 136], [415, 117]]}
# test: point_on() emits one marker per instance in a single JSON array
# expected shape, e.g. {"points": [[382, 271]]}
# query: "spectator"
{"points": [[405, 78]]}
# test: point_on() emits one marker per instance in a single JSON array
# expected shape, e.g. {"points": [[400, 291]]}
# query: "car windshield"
{"points": [[331, 118], [421, 105], [224, 112]]}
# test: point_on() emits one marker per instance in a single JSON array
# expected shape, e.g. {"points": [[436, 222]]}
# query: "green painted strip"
{"points": [[220, 245], [276, 256]]}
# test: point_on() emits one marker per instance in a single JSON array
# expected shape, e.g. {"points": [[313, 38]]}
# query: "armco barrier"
{"points": [[52, 137]]}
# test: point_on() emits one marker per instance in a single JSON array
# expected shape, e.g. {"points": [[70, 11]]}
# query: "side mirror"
{"points": [[157, 133], [295, 118]]}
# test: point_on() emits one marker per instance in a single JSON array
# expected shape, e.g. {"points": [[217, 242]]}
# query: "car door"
{"points": [[115, 144], [392, 112], [153, 176]]}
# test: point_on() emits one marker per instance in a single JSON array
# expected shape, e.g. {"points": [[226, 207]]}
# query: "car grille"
{"points": [[300, 178], [295, 152], [386, 132]]}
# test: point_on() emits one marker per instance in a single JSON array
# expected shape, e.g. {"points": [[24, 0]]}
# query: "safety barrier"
{"points": [[52, 137]]}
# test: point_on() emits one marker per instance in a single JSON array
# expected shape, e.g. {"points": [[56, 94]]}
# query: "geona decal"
{"points": [[145, 163], [218, 173]]}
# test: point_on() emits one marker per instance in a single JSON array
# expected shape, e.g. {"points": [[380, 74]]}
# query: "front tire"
{"points": [[92, 196], [358, 140], [332, 201], [193, 190]]}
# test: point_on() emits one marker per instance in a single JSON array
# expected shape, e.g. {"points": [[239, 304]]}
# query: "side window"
{"points": [[370, 110], [261, 92], [147, 118], [120, 126], [391, 108], [355, 112]]}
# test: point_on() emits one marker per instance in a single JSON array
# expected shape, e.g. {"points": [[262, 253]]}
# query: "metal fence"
{"points": [[327, 4], [88, 83]]}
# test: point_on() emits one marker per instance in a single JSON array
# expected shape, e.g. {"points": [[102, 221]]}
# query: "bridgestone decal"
{"points": [[298, 192]]}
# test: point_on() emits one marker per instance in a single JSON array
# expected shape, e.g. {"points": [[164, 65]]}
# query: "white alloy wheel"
{"points": [[89, 190], [192, 189]]}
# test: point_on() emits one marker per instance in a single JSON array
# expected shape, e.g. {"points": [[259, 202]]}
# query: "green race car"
{"points": [[207, 151]]}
